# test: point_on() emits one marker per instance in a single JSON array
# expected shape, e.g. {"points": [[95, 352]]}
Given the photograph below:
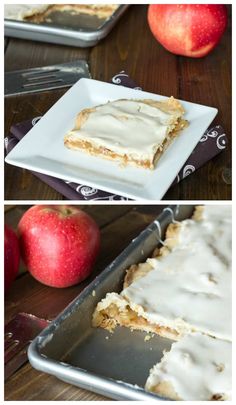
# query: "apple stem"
{"points": [[63, 210]]}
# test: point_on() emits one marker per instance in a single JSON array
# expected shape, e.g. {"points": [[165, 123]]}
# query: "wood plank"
{"points": [[20, 184], [131, 47], [30, 385], [39, 54], [8, 207]]}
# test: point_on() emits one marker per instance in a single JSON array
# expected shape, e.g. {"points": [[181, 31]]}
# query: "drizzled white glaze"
{"points": [[197, 367], [222, 234], [20, 11], [127, 127], [190, 288]]}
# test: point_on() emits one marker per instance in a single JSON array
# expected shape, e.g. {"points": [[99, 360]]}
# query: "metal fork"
{"points": [[45, 78], [19, 333]]}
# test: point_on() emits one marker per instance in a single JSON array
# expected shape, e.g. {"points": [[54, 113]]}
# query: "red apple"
{"points": [[188, 29], [59, 244], [11, 257]]}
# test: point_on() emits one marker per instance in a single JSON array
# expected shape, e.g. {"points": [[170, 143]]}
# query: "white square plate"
{"points": [[42, 149]]}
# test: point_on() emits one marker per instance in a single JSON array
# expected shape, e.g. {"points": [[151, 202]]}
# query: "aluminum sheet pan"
{"points": [[115, 365], [65, 28]]}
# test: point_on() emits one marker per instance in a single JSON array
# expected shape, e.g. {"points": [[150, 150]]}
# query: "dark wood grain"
{"points": [[131, 47], [208, 81], [119, 225], [30, 385]]}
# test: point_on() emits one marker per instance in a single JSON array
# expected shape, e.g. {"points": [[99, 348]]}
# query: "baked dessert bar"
{"points": [[130, 131], [185, 288], [196, 367], [183, 292], [38, 12]]}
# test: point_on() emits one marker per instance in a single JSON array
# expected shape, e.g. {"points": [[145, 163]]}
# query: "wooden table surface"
{"points": [[119, 224], [130, 47]]}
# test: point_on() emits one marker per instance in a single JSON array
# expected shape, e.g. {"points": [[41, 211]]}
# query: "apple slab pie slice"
{"points": [[185, 288], [183, 292], [133, 132], [198, 367]]}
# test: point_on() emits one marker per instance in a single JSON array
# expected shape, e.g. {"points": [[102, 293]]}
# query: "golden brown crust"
{"points": [[198, 213], [135, 272], [173, 229], [165, 389], [82, 117], [172, 232], [100, 11], [170, 105]]}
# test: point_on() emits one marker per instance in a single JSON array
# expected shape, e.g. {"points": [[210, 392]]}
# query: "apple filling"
{"points": [[112, 316]]}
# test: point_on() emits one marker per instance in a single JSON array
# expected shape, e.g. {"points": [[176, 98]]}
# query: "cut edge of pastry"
{"points": [[116, 310]]}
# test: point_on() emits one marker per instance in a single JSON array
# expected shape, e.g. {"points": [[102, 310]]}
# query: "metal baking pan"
{"points": [[65, 28], [115, 365]]}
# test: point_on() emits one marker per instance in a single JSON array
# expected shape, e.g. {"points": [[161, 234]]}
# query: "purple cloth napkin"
{"points": [[213, 141]]}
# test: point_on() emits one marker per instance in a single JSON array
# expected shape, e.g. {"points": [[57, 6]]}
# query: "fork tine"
{"points": [[8, 336], [7, 340], [19, 332], [8, 344], [14, 350], [62, 75], [37, 72]]}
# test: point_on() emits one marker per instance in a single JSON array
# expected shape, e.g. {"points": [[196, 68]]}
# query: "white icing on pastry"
{"points": [[20, 11], [197, 367], [189, 289], [128, 127]]}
